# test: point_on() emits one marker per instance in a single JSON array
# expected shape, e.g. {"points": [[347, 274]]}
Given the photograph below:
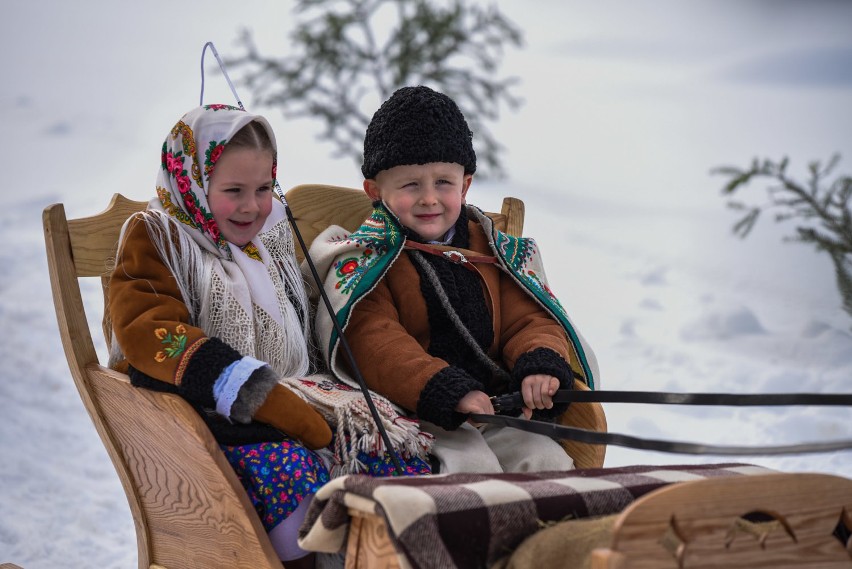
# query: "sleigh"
{"points": [[189, 509]]}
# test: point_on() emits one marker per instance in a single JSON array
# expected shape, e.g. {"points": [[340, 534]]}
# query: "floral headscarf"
{"points": [[189, 156]]}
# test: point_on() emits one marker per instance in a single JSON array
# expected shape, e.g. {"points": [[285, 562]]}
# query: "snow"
{"points": [[627, 110]]}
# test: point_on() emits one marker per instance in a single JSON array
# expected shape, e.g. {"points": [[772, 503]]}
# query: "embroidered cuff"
{"points": [[140, 379], [442, 394], [549, 362], [204, 368], [229, 386]]}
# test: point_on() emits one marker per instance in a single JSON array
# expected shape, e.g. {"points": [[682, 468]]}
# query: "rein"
{"points": [[515, 401]]}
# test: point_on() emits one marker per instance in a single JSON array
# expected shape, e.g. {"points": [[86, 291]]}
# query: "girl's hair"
{"points": [[253, 135]]}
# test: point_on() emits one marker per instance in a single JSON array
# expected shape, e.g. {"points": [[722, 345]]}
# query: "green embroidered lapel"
{"points": [[372, 249]]}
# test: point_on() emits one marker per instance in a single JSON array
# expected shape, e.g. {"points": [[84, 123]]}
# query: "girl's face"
{"points": [[240, 193], [425, 197]]}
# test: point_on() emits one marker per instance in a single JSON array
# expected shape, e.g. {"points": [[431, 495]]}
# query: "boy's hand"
{"points": [[475, 402], [538, 391]]}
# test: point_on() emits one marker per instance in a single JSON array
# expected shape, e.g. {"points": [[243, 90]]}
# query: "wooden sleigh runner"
{"points": [[190, 510]]}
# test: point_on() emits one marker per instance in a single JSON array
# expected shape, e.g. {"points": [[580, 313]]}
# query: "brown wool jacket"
{"points": [[147, 310], [389, 328]]}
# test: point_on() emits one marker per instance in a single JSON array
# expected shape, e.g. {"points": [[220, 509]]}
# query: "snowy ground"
{"points": [[635, 236]]}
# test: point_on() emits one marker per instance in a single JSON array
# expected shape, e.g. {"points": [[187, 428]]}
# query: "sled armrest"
{"points": [[589, 416]]}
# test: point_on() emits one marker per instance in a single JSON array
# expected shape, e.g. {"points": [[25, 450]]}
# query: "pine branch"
{"points": [[339, 59], [822, 212]]}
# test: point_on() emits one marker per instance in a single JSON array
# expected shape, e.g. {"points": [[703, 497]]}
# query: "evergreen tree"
{"points": [[346, 51], [822, 210]]}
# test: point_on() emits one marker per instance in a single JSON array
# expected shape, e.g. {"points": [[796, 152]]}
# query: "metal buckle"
{"points": [[455, 256]]}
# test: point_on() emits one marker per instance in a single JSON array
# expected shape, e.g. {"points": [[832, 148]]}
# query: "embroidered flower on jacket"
{"points": [[350, 270], [175, 343]]}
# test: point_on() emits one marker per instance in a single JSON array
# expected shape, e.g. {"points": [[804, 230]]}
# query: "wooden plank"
{"points": [[699, 525], [95, 238], [513, 212], [369, 545], [315, 205], [189, 497]]}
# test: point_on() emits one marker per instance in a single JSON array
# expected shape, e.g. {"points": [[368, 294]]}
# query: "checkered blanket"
{"points": [[471, 520]]}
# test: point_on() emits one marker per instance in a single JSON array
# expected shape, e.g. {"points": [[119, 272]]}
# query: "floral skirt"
{"points": [[277, 476]]}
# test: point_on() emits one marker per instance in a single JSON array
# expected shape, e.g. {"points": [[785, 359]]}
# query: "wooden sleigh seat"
{"points": [[189, 509]]}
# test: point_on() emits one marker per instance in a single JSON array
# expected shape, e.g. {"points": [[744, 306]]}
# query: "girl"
{"points": [[206, 301]]}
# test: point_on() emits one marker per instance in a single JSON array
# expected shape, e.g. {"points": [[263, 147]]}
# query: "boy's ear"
{"points": [[371, 188], [468, 178]]}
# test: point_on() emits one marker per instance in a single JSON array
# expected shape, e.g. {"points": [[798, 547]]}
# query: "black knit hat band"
{"points": [[417, 125]]}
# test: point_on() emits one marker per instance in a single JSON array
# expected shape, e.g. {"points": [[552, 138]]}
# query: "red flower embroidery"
{"points": [[183, 184], [349, 267], [213, 230], [174, 164], [216, 153], [191, 208]]}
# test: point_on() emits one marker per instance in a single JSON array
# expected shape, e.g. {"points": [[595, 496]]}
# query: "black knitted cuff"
{"points": [[140, 379], [204, 368], [253, 393], [442, 394], [544, 361]]}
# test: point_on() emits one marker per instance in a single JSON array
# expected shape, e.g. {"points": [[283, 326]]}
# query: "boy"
{"points": [[442, 311]]}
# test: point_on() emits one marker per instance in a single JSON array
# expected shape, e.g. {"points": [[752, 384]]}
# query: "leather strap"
{"points": [[605, 438], [452, 255], [516, 400]]}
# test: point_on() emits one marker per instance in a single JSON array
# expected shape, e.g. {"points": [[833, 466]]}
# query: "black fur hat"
{"points": [[417, 125]]}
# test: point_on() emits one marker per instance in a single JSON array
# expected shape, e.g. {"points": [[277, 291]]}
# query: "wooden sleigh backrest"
{"points": [[188, 506], [317, 206]]}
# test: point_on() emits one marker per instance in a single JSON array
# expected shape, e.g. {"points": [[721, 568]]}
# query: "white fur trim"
{"points": [[229, 383]]}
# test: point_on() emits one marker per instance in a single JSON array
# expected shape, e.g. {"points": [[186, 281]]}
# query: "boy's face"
{"points": [[426, 198], [240, 193]]}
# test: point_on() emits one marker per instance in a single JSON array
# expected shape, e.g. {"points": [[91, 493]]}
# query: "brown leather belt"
{"points": [[451, 255]]}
